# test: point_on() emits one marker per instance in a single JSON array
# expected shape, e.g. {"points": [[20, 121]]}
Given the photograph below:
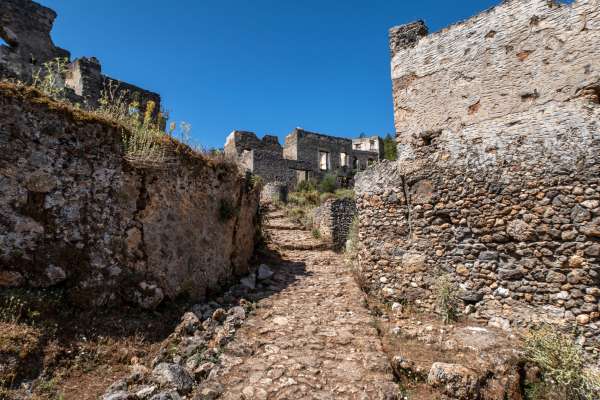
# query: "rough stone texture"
{"points": [[25, 26], [74, 212], [298, 159], [274, 191], [497, 179], [333, 220]]}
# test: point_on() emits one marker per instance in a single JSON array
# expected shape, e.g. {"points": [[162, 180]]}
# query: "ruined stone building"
{"points": [[25, 27], [305, 155], [497, 184]]}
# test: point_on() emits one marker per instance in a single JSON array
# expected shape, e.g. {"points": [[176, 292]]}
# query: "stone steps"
{"points": [[284, 227], [304, 246]]}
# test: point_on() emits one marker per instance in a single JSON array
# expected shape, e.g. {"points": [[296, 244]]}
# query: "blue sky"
{"points": [[266, 66]]}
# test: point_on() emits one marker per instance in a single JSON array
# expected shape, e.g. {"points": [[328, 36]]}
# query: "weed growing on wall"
{"points": [[146, 137], [49, 79], [11, 309], [562, 365], [446, 300], [144, 140]]}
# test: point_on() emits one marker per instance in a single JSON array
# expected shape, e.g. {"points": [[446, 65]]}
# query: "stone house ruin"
{"points": [[304, 156], [25, 27], [497, 181]]}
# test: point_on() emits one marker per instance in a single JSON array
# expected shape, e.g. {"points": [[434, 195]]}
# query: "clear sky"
{"points": [[266, 66]]}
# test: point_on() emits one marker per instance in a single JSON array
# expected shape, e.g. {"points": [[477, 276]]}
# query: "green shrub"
{"points": [[328, 184], [561, 361], [256, 182], [316, 233]]}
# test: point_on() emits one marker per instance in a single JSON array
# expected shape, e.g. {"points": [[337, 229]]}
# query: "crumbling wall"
{"points": [[497, 180], [75, 214], [263, 157], [240, 141], [25, 26], [306, 146], [333, 220]]}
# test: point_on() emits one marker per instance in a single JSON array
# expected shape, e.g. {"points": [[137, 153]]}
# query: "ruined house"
{"points": [[497, 181], [304, 156], [25, 27]]}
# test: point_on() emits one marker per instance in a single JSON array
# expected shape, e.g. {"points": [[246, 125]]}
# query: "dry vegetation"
{"points": [[146, 140], [51, 350], [309, 195]]}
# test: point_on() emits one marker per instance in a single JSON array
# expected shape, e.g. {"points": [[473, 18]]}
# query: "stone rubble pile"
{"points": [[191, 354]]}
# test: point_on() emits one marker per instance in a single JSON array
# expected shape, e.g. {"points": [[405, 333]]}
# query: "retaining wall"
{"points": [[75, 214]]}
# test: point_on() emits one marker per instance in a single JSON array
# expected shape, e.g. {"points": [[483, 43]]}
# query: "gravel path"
{"points": [[313, 338]]}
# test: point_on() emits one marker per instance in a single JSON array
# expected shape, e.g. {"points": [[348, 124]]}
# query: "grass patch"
{"points": [[316, 233]]}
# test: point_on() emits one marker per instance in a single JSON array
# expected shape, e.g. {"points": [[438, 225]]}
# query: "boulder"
{"points": [[148, 295], [264, 272], [454, 380], [173, 375]]}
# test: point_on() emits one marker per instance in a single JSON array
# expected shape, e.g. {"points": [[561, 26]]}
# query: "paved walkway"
{"points": [[313, 338]]}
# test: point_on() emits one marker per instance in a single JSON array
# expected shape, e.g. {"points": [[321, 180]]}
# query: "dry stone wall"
{"points": [[75, 214], [333, 220], [497, 183]]}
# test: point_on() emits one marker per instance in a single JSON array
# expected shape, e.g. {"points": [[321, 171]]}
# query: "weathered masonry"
{"points": [[25, 26], [75, 213], [497, 183], [305, 155]]}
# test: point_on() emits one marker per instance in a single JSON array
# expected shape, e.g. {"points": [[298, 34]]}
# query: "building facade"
{"points": [[304, 156]]}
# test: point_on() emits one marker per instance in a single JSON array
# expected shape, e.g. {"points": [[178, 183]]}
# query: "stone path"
{"points": [[313, 338]]}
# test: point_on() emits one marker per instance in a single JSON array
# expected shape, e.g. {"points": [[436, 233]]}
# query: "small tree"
{"points": [[390, 152]]}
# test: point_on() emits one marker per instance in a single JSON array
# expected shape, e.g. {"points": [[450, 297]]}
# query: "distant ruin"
{"points": [[25, 26], [304, 156]]}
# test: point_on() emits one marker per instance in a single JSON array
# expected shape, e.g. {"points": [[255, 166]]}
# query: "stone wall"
{"points": [[497, 180], [306, 146], [75, 214], [239, 141], [333, 220], [274, 191]]}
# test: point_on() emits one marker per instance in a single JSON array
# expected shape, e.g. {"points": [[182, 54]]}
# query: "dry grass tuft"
{"points": [[563, 367]]}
